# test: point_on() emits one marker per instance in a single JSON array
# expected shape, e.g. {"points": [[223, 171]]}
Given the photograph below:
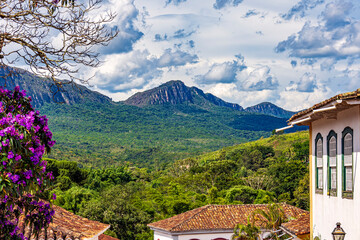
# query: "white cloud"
{"points": [[322, 38], [337, 36], [296, 101], [134, 70], [231, 93], [176, 58], [126, 16], [123, 72], [307, 83], [225, 72], [300, 9], [259, 79]]}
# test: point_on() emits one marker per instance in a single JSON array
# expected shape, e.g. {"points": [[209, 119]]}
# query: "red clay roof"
{"points": [[344, 96], [217, 217], [106, 237], [67, 225], [298, 226]]}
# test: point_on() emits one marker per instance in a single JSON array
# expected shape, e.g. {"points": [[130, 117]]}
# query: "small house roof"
{"points": [[217, 217], [106, 237], [355, 95], [66, 225], [298, 226]]}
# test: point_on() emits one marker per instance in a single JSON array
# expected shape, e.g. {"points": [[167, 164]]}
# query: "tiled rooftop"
{"points": [[67, 225], [217, 217], [106, 237], [298, 226], [344, 96]]}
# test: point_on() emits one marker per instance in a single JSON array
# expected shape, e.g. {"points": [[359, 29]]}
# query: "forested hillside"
{"points": [[150, 129], [273, 169], [97, 134]]}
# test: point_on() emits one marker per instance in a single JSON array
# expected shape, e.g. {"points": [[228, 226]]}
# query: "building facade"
{"points": [[334, 164]]}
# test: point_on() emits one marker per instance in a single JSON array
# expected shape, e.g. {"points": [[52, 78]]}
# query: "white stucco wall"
{"points": [[327, 210], [201, 236], [206, 236], [163, 236]]}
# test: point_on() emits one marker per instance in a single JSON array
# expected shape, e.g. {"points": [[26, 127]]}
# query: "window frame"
{"points": [[317, 189], [332, 192], [345, 193]]}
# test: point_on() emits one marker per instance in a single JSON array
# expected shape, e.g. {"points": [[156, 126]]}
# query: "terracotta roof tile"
{"points": [[217, 217], [67, 225], [299, 226], [344, 96], [106, 237]]}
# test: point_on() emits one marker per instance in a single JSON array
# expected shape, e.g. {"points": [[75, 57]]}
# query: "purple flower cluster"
{"points": [[24, 139]]}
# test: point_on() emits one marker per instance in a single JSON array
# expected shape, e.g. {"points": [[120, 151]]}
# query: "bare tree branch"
{"points": [[53, 37]]}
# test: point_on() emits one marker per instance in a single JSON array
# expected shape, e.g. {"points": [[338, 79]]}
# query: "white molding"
{"points": [[301, 120], [284, 128], [324, 109], [192, 232], [96, 237]]}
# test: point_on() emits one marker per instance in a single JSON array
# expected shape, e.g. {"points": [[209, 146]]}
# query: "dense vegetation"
{"points": [[153, 136], [269, 170]]}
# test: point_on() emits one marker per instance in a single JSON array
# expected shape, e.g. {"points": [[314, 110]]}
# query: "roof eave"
{"points": [[197, 231], [350, 96], [95, 237], [328, 111]]}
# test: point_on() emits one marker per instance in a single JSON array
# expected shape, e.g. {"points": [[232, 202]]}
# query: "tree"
{"points": [[28, 29], [270, 218], [118, 208], [301, 194], [24, 138], [246, 232]]}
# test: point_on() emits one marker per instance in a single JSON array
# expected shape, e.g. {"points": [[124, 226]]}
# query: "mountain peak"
{"points": [[176, 92], [172, 92], [172, 82], [269, 108]]}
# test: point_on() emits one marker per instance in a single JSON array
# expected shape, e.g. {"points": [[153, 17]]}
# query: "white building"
{"points": [[334, 164], [217, 222]]}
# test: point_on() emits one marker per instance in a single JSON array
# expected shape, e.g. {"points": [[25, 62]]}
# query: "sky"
{"points": [[291, 53]]}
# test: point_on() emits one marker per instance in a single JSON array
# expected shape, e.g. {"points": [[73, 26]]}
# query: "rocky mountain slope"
{"points": [[41, 89], [176, 92], [268, 108]]}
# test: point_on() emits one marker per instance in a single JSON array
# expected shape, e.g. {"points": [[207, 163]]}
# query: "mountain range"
{"points": [[172, 92], [169, 122]]}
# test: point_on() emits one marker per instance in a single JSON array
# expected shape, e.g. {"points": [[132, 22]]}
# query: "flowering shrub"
{"points": [[24, 138]]}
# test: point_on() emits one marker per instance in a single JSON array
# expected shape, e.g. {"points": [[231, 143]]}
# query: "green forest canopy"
{"points": [[273, 169]]}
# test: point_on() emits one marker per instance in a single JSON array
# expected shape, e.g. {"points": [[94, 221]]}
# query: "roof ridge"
{"points": [[188, 219], [217, 205]]}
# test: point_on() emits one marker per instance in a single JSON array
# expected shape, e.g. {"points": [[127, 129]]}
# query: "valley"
{"points": [[268, 170], [150, 129], [163, 152]]}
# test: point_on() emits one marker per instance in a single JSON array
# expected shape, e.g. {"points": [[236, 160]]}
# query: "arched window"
{"points": [[332, 163], [347, 154], [220, 239], [319, 172]]}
